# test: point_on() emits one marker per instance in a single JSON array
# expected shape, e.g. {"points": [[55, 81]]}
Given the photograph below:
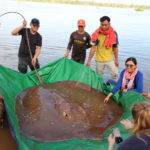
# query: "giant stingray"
{"points": [[64, 110]]}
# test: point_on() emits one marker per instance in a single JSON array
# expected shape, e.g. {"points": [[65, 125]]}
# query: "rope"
{"points": [[38, 76]]}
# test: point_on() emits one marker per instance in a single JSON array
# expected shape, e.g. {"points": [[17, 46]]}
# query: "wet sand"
{"points": [[6, 140]]}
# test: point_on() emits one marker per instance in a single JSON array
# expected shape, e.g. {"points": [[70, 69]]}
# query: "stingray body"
{"points": [[64, 110]]}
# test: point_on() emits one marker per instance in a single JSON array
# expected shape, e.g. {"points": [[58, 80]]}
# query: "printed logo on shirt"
{"points": [[84, 38], [78, 42]]}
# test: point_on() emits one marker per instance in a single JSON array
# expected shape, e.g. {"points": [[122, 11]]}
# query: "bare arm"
{"points": [[37, 53], [92, 52], [16, 31], [38, 50], [111, 141], [108, 97], [115, 49], [67, 53], [111, 146]]}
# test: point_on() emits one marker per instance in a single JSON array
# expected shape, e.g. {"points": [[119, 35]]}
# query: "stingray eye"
{"points": [[65, 114]]}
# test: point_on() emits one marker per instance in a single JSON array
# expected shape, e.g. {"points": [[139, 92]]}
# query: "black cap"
{"points": [[35, 20]]}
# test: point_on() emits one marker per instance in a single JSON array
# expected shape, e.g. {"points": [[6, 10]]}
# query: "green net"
{"points": [[12, 82]]}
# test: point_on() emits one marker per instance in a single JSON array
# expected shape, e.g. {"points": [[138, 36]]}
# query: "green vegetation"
{"points": [[139, 9], [77, 2]]}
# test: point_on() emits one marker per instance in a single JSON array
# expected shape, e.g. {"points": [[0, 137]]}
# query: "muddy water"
{"points": [[6, 140], [56, 30]]}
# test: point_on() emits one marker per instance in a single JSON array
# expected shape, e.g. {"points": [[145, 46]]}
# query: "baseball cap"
{"points": [[81, 22], [35, 21]]}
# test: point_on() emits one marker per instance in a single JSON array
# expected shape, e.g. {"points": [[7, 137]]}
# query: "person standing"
{"points": [[104, 42], [35, 41], [79, 42]]}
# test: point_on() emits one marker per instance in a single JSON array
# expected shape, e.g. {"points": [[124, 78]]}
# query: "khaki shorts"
{"points": [[100, 66]]}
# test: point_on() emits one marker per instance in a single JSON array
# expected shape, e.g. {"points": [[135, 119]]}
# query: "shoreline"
{"points": [[88, 3]]}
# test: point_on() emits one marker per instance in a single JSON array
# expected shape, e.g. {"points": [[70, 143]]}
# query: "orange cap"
{"points": [[81, 22]]}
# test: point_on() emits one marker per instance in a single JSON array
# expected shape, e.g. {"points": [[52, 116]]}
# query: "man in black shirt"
{"points": [[79, 42], [35, 41]]}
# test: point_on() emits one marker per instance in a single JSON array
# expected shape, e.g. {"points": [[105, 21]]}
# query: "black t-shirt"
{"points": [[134, 143], [34, 40], [79, 43]]}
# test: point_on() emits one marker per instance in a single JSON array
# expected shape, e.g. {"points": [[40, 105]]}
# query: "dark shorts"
{"points": [[24, 62], [79, 60]]}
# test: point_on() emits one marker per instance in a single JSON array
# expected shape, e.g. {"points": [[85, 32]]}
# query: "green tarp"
{"points": [[12, 82]]}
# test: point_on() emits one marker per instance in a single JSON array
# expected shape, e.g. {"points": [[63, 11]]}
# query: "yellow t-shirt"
{"points": [[103, 53]]}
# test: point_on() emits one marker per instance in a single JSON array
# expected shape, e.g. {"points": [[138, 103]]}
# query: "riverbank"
{"points": [[92, 3]]}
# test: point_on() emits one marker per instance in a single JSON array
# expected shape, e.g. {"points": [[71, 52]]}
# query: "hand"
{"points": [[116, 63], [24, 23], [33, 61], [146, 95], [111, 141], [127, 123], [125, 90], [106, 99], [88, 64], [66, 55]]}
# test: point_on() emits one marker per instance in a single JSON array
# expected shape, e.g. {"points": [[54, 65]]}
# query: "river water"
{"points": [[58, 21]]}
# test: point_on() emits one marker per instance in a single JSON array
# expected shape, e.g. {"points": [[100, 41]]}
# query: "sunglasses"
{"points": [[131, 66], [80, 26]]}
